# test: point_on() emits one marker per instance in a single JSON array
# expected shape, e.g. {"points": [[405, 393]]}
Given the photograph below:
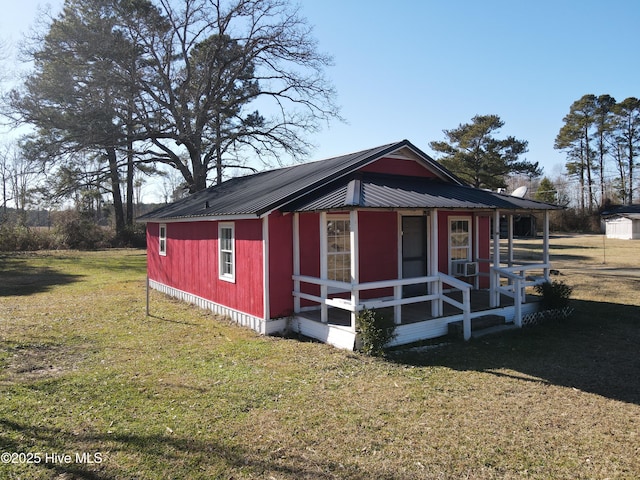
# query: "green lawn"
{"points": [[183, 394]]}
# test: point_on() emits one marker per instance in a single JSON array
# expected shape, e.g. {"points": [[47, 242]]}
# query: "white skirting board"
{"points": [[342, 337], [260, 325]]}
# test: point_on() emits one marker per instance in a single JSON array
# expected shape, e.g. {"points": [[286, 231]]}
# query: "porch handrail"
{"points": [[465, 306], [365, 285], [524, 267], [436, 282], [518, 281]]}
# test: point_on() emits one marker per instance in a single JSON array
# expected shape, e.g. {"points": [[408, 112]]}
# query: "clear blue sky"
{"points": [[409, 69]]}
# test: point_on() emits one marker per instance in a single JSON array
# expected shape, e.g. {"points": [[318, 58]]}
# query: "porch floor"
{"points": [[418, 312]]}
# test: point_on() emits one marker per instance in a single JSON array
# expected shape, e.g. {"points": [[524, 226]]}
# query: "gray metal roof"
{"points": [[325, 185], [629, 211], [390, 191]]}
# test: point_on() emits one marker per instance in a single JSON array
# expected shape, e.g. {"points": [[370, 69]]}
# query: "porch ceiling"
{"points": [[388, 191]]}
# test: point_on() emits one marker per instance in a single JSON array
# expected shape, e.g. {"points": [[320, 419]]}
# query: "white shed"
{"points": [[623, 222]]}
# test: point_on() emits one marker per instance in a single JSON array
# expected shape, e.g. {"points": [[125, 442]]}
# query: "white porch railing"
{"points": [[354, 304], [517, 281]]}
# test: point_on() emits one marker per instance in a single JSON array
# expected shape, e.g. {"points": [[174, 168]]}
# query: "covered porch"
{"points": [[493, 283]]}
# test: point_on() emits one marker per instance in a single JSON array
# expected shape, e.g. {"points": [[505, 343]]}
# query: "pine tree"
{"points": [[476, 156]]}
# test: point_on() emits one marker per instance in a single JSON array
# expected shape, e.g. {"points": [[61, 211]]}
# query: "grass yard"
{"points": [[182, 394]]}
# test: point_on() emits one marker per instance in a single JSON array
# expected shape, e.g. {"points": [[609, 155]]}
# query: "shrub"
{"points": [[555, 295], [375, 332], [134, 236], [19, 238], [77, 231]]}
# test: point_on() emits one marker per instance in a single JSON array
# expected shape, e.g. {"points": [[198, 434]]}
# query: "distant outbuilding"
{"points": [[622, 222]]}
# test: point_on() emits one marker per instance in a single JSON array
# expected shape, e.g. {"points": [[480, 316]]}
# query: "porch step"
{"points": [[480, 326]]}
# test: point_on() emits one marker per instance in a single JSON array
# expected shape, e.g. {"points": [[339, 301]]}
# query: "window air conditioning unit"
{"points": [[465, 269]]}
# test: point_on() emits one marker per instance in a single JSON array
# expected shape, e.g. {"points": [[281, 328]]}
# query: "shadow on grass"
{"points": [[19, 278], [595, 351], [171, 455]]}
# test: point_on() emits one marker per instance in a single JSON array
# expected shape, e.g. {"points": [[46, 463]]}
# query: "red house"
{"points": [[305, 248]]}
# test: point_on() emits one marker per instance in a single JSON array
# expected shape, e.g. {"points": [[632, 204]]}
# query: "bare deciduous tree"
{"points": [[225, 77]]}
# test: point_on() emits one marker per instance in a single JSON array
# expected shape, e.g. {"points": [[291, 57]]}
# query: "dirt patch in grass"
{"points": [[31, 362]]}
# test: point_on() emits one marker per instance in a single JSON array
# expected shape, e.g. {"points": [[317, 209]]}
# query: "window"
{"points": [[339, 250], [162, 249], [226, 252], [459, 239]]}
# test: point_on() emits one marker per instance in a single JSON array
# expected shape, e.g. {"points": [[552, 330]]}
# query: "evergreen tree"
{"points": [[628, 122], [80, 93], [575, 138], [476, 156], [605, 126], [546, 191]]}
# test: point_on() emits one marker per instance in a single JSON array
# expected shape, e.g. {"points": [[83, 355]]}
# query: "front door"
{"points": [[414, 252]]}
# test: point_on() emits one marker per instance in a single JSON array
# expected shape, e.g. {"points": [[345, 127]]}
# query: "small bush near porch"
{"points": [[182, 394]]}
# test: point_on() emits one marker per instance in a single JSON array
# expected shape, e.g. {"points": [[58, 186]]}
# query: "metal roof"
{"points": [[629, 211], [389, 191], [324, 184]]}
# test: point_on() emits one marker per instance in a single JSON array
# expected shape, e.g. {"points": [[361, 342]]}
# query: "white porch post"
{"points": [[397, 290], [436, 305], [324, 250], [355, 266], [296, 260], [494, 300], [510, 247], [517, 302], [476, 248], [545, 245], [265, 268]]}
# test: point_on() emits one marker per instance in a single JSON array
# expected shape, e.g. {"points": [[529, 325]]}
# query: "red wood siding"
{"points": [[484, 227], [280, 265], [397, 166], [191, 263], [378, 257], [310, 244], [309, 251]]}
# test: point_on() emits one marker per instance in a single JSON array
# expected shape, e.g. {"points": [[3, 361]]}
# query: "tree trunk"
{"points": [[602, 183], [114, 175], [631, 179], [218, 153], [630, 171], [130, 173], [588, 163]]}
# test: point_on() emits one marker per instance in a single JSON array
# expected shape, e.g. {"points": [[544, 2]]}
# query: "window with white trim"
{"points": [[226, 252], [459, 239], [162, 240], [339, 249]]}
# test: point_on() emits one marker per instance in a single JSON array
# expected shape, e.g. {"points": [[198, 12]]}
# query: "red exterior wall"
{"points": [[309, 252], [397, 166], [484, 226], [280, 265], [191, 263], [378, 257], [310, 244]]}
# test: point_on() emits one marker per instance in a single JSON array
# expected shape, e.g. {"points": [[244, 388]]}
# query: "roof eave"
{"points": [[200, 218]]}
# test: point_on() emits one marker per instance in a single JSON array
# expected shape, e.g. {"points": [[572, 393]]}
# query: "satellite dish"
{"points": [[520, 192]]}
